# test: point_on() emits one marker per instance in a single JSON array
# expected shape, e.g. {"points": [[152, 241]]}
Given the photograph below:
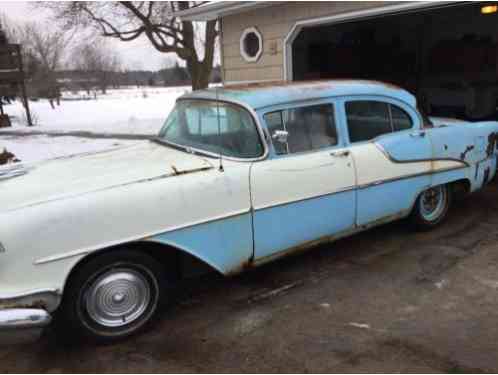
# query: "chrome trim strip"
{"points": [[271, 205], [27, 294], [392, 159], [359, 187], [388, 180], [146, 236]]}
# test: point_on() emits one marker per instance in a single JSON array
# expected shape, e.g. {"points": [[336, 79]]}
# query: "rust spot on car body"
{"points": [[492, 143], [467, 150], [244, 266]]}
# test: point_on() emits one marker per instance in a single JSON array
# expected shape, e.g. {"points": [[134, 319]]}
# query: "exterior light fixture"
{"points": [[488, 9]]}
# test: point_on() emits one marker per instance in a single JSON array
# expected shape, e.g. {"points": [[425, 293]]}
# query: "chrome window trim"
{"points": [[389, 100], [331, 100]]}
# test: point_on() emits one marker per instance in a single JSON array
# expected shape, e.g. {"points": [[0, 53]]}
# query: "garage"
{"points": [[447, 55]]}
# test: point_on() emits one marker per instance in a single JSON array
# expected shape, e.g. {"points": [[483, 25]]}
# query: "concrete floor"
{"points": [[388, 300]]}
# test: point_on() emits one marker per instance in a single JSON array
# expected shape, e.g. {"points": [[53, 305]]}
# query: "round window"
{"points": [[251, 44]]}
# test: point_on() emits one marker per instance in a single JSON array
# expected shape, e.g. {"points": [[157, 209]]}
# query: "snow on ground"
{"points": [[130, 111], [41, 147], [123, 111]]}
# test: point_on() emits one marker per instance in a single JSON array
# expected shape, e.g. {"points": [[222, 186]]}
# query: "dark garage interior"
{"points": [[446, 56]]}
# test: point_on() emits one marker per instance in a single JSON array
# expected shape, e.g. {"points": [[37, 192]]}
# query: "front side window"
{"points": [[216, 128], [308, 128]]}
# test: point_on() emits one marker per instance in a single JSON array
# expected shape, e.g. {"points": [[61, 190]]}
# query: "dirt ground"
{"points": [[388, 300]]}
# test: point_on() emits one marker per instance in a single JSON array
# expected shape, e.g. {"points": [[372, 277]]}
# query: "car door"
{"points": [[305, 190], [392, 155]]}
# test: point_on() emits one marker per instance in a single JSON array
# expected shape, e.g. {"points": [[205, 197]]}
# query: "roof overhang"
{"points": [[218, 9]]}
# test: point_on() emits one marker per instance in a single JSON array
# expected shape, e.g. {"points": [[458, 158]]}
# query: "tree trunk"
{"points": [[199, 74], [200, 71]]}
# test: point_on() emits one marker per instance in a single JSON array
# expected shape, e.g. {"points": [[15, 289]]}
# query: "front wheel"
{"points": [[113, 296], [431, 207]]}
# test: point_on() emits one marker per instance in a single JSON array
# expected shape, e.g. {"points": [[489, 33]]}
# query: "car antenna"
{"points": [[221, 169]]}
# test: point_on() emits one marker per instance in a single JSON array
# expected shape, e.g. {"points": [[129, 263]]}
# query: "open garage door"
{"points": [[447, 57]]}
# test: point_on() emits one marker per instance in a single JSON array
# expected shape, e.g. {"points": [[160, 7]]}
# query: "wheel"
{"points": [[431, 207], [113, 296]]}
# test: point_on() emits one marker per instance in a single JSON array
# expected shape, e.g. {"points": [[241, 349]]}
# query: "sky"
{"points": [[137, 54]]}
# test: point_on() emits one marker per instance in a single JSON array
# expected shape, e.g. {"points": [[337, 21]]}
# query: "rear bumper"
{"points": [[22, 325]]}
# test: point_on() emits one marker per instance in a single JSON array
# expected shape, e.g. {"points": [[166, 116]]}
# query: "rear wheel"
{"points": [[431, 207], [114, 296]]}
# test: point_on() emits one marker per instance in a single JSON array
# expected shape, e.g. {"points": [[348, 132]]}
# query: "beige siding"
{"points": [[274, 23]]}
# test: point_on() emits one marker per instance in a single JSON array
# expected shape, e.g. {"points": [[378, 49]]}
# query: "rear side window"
{"points": [[309, 128], [367, 120], [401, 119]]}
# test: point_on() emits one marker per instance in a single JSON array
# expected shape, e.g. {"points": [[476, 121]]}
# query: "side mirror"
{"points": [[280, 136]]}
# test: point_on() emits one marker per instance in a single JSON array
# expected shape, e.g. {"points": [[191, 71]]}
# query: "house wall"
{"points": [[274, 23]]}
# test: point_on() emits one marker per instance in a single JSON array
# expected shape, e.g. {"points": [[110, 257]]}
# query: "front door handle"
{"points": [[340, 154]]}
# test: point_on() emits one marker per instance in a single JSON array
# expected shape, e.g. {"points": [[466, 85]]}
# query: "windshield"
{"points": [[195, 124]]}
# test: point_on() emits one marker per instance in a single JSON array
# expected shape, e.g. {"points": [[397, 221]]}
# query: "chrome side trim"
{"points": [[283, 203], [394, 160], [359, 187], [388, 180], [146, 236]]}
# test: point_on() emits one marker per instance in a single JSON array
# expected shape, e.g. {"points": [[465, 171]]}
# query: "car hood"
{"points": [[23, 185]]}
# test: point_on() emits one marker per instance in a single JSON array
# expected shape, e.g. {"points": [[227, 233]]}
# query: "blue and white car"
{"points": [[237, 177]]}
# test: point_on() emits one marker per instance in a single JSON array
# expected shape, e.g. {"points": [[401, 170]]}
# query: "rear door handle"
{"points": [[340, 154], [417, 134]]}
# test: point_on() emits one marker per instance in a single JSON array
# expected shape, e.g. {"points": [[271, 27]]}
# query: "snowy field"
{"points": [[130, 111], [137, 111]]}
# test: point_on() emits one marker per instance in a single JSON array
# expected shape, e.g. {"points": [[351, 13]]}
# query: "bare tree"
{"points": [[9, 28], [98, 62], [128, 20], [44, 51]]}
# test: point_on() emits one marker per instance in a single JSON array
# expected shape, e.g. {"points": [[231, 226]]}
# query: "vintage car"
{"points": [[237, 177]]}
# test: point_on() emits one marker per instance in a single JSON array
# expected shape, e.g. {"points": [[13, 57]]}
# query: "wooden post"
{"points": [[23, 87]]}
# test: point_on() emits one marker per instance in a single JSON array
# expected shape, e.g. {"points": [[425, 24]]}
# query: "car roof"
{"points": [[260, 95]]}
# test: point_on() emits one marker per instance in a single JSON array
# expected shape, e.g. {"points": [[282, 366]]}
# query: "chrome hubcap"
{"points": [[432, 203], [118, 297]]}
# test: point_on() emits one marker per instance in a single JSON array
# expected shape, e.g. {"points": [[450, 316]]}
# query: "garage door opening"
{"points": [[447, 57]]}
